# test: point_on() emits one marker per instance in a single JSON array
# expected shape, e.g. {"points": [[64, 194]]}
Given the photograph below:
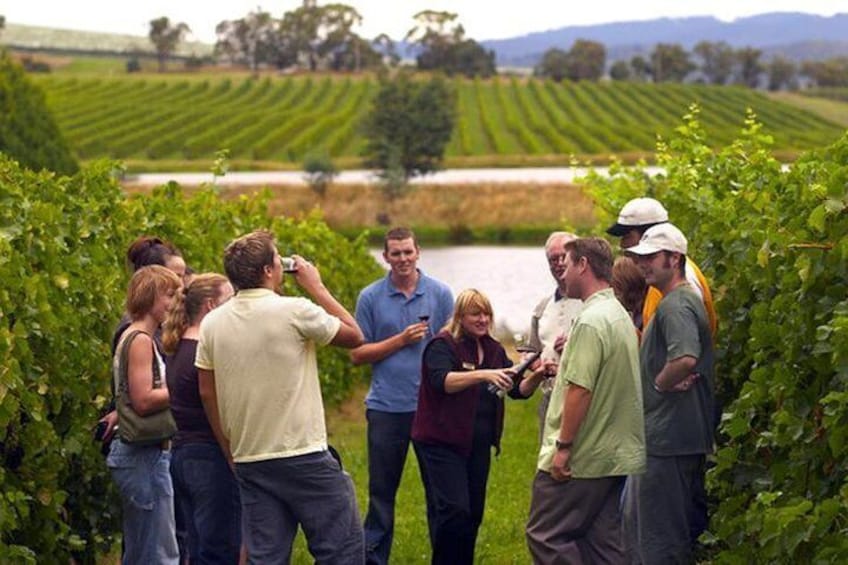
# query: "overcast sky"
{"points": [[482, 19]]}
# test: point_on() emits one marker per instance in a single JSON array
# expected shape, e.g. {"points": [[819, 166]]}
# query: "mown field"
{"points": [[178, 122]]}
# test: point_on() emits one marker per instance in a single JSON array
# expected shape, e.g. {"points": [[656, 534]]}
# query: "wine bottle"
{"points": [[517, 371]]}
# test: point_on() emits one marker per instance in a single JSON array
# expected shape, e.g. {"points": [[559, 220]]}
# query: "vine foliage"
{"points": [[62, 245], [774, 242]]}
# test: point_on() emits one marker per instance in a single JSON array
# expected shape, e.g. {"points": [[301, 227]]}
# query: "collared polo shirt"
{"points": [[383, 311], [602, 356]]}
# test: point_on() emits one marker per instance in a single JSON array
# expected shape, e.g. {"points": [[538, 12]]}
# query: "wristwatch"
{"points": [[563, 444]]}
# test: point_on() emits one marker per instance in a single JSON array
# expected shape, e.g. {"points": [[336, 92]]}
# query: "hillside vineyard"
{"points": [[282, 119]]}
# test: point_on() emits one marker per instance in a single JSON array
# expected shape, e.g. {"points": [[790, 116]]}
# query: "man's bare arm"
{"points": [[309, 279], [575, 407], [674, 372], [379, 350], [209, 398]]}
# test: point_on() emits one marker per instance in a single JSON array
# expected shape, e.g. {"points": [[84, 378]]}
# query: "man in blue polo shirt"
{"points": [[397, 314]]}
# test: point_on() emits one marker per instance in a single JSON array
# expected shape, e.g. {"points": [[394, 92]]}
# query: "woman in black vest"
{"points": [[458, 420]]}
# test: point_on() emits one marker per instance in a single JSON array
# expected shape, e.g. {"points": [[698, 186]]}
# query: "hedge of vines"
{"points": [[62, 247], [774, 242]]}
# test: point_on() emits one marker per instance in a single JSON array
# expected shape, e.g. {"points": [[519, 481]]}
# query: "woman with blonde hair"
{"points": [[203, 479], [140, 457], [459, 419]]}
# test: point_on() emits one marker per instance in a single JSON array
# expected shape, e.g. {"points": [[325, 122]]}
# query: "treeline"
{"points": [[708, 62], [322, 38]]}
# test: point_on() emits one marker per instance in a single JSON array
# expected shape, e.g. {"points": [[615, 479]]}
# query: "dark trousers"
{"points": [[575, 521], [310, 491], [388, 444], [208, 491], [664, 509], [455, 488]]}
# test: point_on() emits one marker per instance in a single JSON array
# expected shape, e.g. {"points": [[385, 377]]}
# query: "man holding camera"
{"points": [[258, 380], [397, 314]]}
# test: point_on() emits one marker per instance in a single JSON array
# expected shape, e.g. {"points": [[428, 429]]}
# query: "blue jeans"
{"points": [[388, 444], [310, 491], [208, 493], [147, 498]]}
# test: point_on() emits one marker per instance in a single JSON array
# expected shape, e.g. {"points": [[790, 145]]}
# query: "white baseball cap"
{"points": [[639, 212], [662, 237]]}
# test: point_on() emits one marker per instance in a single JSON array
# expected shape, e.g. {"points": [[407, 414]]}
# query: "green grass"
{"points": [[501, 538], [176, 120]]}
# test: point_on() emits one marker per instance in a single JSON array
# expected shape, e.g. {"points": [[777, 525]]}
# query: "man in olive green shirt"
{"points": [[663, 507], [594, 428]]}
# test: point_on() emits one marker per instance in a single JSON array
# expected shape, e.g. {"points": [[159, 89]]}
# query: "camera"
{"points": [[289, 265], [99, 431]]}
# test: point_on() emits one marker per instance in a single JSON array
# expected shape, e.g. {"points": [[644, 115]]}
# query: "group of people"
{"points": [[220, 420]]}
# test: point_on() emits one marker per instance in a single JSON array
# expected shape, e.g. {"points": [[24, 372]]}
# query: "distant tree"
{"points": [[165, 38], [384, 45], [251, 40], [409, 125], [433, 29], [356, 54], [443, 46], [554, 64], [28, 132], [670, 63], [133, 65], [641, 68], [620, 70], [782, 73], [831, 72], [749, 66], [466, 57], [586, 60], [716, 60], [311, 35], [320, 171]]}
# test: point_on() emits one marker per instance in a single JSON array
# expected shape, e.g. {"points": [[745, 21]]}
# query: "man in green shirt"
{"points": [[594, 428], [662, 507]]}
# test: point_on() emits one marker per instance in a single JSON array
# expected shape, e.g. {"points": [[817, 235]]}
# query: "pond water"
{"points": [[514, 278]]}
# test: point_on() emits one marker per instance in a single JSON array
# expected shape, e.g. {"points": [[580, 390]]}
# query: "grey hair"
{"points": [[557, 235]]}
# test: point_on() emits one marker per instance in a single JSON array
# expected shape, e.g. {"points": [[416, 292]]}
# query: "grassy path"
{"points": [[501, 538]]}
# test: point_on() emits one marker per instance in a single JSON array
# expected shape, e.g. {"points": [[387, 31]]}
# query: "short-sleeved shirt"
{"points": [[678, 423], [602, 356], [699, 285], [554, 315], [262, 348], [383, 311]]}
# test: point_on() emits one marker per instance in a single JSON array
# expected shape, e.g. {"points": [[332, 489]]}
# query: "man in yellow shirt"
{"points": [[633, 221], [259, 384]]}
